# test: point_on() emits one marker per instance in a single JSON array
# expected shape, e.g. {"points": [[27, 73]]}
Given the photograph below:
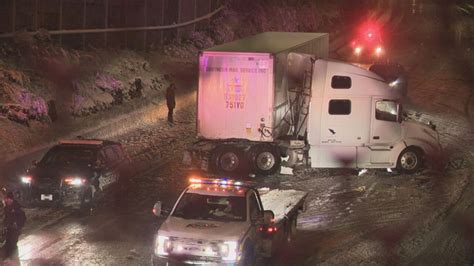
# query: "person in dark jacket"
{"points": [[13, 221], [170, 101]]}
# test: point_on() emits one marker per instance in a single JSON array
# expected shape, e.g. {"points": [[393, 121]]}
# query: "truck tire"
{"points": [[228, 159], [265, 159], [410, 160]]}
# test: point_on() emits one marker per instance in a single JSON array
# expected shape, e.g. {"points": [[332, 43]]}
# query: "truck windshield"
{"points": [[209, 207]]}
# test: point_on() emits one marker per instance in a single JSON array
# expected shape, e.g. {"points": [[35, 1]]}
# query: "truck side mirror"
{"points": [[159, 210], [268, 217]]}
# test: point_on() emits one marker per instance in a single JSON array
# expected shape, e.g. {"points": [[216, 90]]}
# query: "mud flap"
{"points": [[284, 170]]}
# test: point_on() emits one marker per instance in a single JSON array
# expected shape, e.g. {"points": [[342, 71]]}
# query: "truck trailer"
{"points": [[275, 99]]}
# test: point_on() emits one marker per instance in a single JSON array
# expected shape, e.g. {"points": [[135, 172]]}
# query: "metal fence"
{"points": [[136, 24]]}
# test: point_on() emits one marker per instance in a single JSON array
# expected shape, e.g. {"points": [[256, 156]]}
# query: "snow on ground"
{"points": [[35, 109], [281, 202]]}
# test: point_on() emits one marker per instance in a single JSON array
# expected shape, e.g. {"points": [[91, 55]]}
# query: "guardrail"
{"points": [[156, 20], [107, 30]]}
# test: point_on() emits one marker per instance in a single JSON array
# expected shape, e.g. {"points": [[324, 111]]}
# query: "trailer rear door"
{"points": [[235, 97]]}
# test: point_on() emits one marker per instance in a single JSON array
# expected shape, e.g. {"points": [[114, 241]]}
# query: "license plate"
{"points": [[47, 197]]}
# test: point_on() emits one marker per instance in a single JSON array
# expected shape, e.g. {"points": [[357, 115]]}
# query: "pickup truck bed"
{"points": [[282, 202]]}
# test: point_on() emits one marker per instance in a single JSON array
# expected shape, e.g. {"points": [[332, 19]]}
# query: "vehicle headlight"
{"points": [[26, 179], [229, 250], [162, 245], [394, 83], [75, 181], [358, 50]]}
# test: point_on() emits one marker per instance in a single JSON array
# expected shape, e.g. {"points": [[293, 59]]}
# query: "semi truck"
{"points": [[275, 99], [221, 221]]}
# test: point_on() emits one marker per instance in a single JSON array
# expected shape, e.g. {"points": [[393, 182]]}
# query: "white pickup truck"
{"points": [[229, 222]]}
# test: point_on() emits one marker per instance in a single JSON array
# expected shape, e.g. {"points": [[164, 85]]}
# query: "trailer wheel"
{"points": [[410, 160], [227, 159], [265, 159]]}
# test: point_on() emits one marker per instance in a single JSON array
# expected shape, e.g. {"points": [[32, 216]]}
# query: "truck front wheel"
{"points": [[265, 159], [410, 160]]}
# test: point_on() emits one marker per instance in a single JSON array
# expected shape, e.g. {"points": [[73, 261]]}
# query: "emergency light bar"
{"points": [[221, 182], [82, 142]]}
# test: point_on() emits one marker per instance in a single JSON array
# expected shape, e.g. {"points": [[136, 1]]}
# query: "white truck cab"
{"points": [[222, 221], [355, 120]]}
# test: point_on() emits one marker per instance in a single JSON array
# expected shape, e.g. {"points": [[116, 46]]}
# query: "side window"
{"points": [[254, 207], [341, 82], [386, 111], [111, 155], [339, 107]]}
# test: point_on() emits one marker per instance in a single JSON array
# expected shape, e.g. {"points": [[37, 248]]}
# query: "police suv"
{"points": [[76, 173]]}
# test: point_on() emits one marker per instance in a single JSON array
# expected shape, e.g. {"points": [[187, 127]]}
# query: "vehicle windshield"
{"points": [[209, 207], [70, 155]]}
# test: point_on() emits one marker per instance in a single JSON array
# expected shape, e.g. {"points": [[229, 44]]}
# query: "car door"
{"points": [[385, 130], [110, 173], [255, 214]]}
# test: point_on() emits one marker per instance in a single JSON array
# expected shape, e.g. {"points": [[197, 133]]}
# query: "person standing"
{"points": [[170, 101], [13, 222]]}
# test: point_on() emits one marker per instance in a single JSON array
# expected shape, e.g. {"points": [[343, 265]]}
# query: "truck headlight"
{"points": [[229, 250], [162, 245]]}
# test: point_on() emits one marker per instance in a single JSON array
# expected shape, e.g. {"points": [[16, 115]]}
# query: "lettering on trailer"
{"points": [[331, 141], [235, 94], [237, 70]]}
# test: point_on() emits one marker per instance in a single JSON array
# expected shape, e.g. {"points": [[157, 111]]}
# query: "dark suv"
{"points": [[77, 172]]}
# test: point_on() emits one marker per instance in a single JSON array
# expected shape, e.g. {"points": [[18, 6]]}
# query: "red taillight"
{"points": [[271, 229]]}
